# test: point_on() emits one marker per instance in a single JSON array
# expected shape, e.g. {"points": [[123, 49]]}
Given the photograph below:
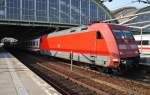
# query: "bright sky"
{"points": [[115, 4]]}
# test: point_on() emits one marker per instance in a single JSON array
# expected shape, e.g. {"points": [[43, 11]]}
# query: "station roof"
{"points": [[125, 11], [141, 20], [25, 28], [136, 21]]}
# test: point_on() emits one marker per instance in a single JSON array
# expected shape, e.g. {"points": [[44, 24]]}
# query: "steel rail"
{"points": [[78, 82], [52, 83]]}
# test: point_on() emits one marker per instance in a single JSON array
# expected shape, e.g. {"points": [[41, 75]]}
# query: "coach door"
{"points": [[95, 43], [98, 38]]}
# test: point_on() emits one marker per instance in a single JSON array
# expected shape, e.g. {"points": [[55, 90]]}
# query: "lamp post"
{"points": [[141, 39], [71, 58]]}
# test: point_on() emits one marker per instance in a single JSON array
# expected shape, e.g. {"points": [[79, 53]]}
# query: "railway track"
{"points": [[94, 81], [106, 84], [63, 85]]}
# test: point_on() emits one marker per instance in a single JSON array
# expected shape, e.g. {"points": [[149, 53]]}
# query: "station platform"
{"points": [[17, 79]]}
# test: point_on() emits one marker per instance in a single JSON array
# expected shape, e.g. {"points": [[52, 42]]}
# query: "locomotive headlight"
{"points": [[115, 59]]}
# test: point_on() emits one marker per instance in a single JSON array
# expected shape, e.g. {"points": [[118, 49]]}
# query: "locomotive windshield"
{"points": [[118, 34], [123, 34], [128, 34]]}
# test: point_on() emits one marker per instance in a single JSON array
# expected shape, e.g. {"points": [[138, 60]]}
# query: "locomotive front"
{"points": [[127, 47]]}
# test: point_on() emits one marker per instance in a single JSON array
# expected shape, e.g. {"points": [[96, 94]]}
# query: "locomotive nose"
{"points": [[128, 50]]}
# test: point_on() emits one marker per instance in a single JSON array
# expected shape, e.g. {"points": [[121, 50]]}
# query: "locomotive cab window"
{"points": [[98, 35]]}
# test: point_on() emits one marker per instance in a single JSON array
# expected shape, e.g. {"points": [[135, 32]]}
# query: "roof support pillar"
{"points": [[48, 10], [35, 10], [20, 9], [5, 9]]}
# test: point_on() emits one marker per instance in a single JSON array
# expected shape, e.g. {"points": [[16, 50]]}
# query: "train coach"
{"points": [[105, 45], [144, 47]]}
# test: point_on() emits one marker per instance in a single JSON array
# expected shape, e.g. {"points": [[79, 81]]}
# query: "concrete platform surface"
{"points": [[17, 79]]}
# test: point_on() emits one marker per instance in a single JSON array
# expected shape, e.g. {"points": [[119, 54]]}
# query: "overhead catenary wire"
{"points": [[142, 13]]}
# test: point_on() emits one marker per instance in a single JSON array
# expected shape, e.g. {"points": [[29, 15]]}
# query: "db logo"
{"points": [[58, 45]]}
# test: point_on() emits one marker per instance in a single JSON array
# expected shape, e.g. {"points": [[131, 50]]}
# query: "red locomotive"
{"points": [[102, 44]]}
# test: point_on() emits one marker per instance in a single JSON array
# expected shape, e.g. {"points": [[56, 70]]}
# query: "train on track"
{"points": [[102, 44], [144, 45]]}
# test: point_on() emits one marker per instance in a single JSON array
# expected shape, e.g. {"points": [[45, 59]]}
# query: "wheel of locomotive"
{"points": [[136, 64], [123, 68], [109, 70], [93, 66], [105, 70]]}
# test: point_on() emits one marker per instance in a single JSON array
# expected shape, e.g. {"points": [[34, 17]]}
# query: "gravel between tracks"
{"points": [[112, 84]]}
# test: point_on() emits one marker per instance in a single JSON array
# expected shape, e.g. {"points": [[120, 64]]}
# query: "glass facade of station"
{"points": [[53, 11]]}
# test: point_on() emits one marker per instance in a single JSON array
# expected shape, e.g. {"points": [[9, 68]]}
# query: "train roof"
{"points": [[82, 28], [144, 37]]}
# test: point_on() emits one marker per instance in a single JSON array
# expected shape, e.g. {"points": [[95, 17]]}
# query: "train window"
{"points": [[143, 42], [37, 43], [98, 35]]}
